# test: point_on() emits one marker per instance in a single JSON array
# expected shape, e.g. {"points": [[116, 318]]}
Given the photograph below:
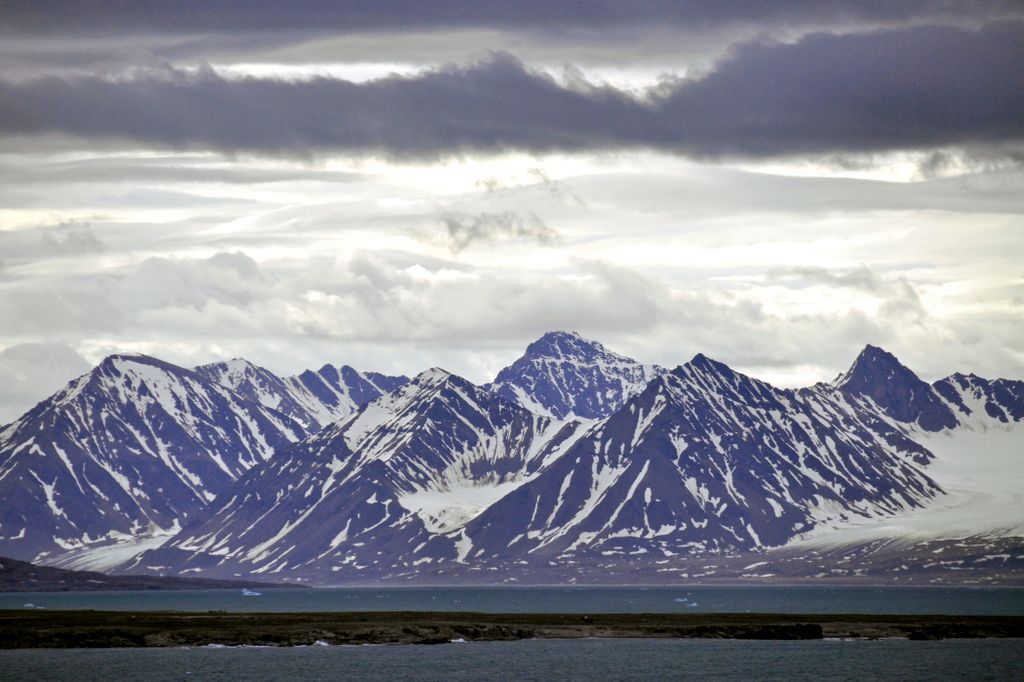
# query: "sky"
{"points": [[397, 185]]}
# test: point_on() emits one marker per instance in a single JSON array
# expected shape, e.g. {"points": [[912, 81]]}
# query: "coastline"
{"points": [[102, 629]]}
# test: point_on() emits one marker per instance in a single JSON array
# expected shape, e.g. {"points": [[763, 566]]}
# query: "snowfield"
{"points": [[981, 469]]}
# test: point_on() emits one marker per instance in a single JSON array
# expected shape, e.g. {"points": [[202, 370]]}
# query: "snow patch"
{"points": [[982, 473]]}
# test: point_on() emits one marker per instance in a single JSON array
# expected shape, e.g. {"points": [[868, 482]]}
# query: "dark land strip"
{"points": [[67, 629], [21, 576]]}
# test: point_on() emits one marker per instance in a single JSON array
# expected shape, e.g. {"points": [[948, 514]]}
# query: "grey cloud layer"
{"points": [[47, 241], [899, 298], [914, 88], [136, 170], [30, 371], [183, 16], [229, 304]]}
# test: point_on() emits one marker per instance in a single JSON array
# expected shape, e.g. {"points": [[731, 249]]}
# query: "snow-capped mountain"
{"points": [[707, 459], [438, 477], [314, 399], [877, 376], [566, 376], [371, 491], [135, 446], [442, 476], [974, 532], [975, 400], [879, 384]]}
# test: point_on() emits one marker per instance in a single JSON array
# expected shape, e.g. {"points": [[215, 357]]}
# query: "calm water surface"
{"points": [[540, 660], [739, 599]]}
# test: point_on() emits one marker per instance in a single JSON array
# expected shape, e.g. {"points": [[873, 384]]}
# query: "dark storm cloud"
{"points": [[177, 16], [923, 87]]}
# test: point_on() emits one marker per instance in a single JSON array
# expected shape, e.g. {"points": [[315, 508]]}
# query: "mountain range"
{"points": [[574, 464], [137, 446]]}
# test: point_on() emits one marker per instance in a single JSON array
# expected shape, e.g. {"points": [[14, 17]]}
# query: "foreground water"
{"points": [[738, 599], [546, 659], [541, 660]]}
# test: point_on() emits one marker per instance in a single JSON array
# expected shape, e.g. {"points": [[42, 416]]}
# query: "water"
{"points": [[546, 659], [541, 660], [737, 599]]}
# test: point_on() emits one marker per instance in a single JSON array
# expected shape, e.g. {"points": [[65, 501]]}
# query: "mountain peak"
{"points": [[874, 364], [564, 375], [434, 375], [878, 375], [703, 362], [872, 353], [712, 370], [238, 363], [562, 334], [432, 380], [564, 344], [140, 358], [232, 367], [118, 363]]}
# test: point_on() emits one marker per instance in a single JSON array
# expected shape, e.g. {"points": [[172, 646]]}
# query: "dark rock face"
{"points": [[564, 375], [878, 375]]}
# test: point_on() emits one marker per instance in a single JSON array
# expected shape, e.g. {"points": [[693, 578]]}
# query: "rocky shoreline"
{"points": [[98, 629]]}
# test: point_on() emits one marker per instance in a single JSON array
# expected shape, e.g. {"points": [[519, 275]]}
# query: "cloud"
{"points": [[184, 170], [899, 299], [857, 278], [353, 16], [557, 190], [462, 230], [401, 312], [913, 88], [31, 371], [70, 238], [537, 178], [359, 39]]}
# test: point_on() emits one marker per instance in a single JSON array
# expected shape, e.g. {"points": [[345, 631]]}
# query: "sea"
{"points": [[581, 659]]}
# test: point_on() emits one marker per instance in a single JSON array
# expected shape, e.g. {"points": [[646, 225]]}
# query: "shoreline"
{"points": [[103, 629]]}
